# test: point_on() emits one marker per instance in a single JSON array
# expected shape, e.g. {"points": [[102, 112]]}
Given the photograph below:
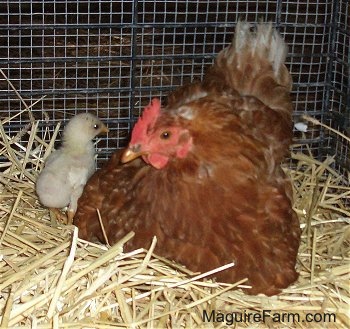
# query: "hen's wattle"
{"points": [[209, 183]]}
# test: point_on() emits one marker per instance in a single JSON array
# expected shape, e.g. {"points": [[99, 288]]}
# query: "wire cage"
{"points": [[111, 57]]}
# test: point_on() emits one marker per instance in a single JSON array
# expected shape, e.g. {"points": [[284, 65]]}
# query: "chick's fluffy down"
{"points": [[66, 170], [63, 176]]}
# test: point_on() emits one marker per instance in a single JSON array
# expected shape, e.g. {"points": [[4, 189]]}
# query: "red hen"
{"points": [[207, 179]]}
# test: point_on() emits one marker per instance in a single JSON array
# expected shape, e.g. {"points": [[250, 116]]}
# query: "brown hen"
{"points": [[208, 182]]}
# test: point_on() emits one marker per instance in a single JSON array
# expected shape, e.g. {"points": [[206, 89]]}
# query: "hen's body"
{"points": [[227, 199]]}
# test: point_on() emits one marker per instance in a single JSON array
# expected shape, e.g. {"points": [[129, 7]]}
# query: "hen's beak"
{"points": [[131, 153]]}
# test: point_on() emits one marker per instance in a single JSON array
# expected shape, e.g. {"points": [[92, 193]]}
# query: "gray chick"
{"points": [[67, 170]]}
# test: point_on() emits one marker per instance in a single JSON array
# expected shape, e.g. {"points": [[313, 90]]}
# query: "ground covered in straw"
{"points": [[49, 278]]}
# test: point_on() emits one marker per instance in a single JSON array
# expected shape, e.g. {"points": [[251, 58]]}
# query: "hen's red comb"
{"points": [[146, 121]]}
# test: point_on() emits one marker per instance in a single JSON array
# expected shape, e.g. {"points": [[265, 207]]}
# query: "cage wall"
{"points": [[111, 57]]}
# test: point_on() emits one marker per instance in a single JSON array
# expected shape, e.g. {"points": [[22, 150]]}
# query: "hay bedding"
{"points": [[49, 278]]}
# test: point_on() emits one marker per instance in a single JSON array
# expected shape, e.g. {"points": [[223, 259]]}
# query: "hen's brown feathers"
{"points": [[227, 199]]}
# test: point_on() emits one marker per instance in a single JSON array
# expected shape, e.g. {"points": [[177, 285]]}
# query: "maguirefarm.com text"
{"points": [[231, 318]]}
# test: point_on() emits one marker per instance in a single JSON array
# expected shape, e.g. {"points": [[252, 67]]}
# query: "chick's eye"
{"points": [[165, 135], [96, 126]]}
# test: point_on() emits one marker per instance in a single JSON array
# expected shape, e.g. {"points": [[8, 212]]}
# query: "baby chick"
{"points": [[67, 170]]}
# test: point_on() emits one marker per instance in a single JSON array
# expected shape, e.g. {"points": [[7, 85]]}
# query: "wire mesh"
{"points": [[111, 57]]}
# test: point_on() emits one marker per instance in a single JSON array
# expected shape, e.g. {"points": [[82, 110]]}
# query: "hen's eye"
{"points": [[96, 127], [165, 135]]}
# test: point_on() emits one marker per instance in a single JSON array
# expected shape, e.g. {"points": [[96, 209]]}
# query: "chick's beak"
{"points": [[131, 153], [104, 129]]}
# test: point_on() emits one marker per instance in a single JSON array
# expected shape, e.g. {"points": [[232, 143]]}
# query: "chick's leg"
{"points": [[70, 216], [72, 208], [59, 217], [73, 205]]}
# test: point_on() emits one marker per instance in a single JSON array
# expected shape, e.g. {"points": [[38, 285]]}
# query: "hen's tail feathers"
{"points": [[264, 42], [253, 65]]}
